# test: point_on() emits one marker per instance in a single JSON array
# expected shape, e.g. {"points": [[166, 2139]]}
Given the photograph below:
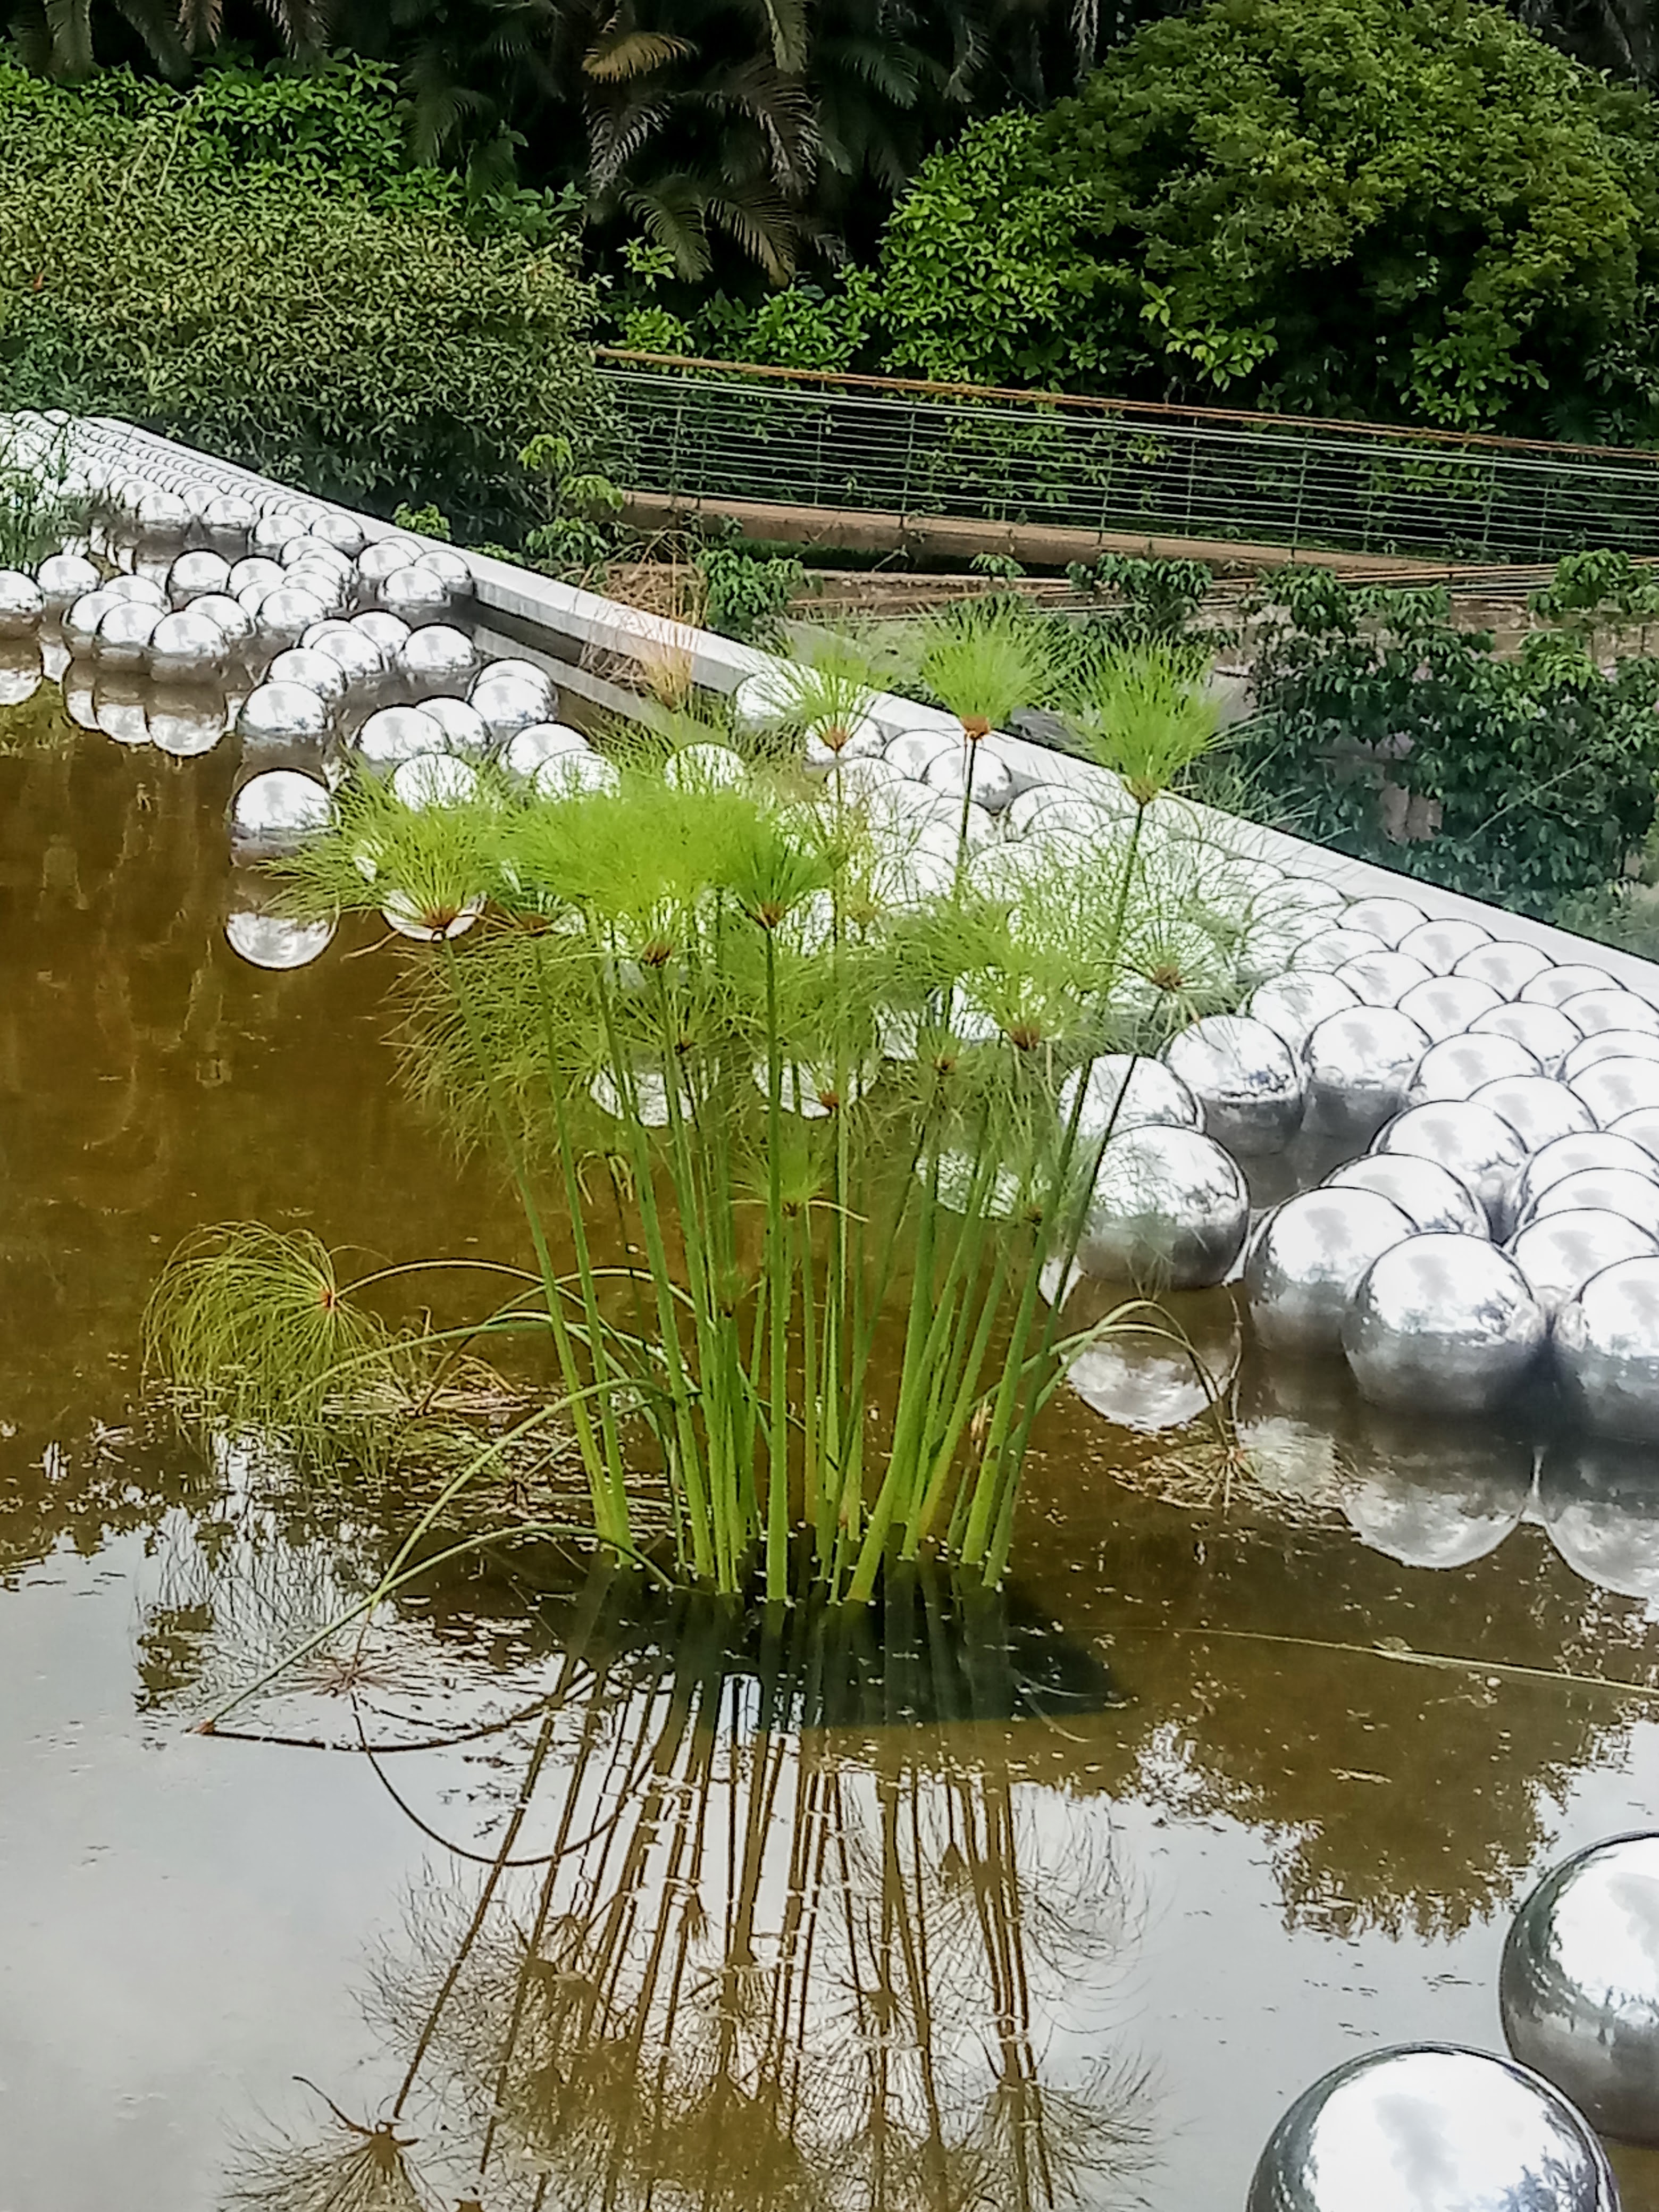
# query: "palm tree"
{"points": [[1616, 36]]}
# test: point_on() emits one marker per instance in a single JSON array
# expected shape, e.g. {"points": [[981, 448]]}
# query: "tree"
{"points": [[1387, 207]]}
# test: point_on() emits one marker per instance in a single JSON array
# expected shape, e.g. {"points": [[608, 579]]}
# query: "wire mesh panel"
{"points": [[698, 430]]}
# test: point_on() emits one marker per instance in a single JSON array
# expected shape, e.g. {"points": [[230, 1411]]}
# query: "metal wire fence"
{"points": [[1111, 468]]}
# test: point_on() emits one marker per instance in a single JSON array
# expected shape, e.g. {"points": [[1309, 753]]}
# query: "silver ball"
{"points": [[1594, 1148], [270, 575], [161, 517], [531, 749], [386, 557], [1428, 2128], [1544, 1030], [1609, 1044], [187, 645], [1616, 1190], [390, 632], [283, 615], [1537, 1108], [1457, 1067], [507, 704], [415, 595], [463, 732], [1508, 965], [1446, 1005], [398, 734], [1579, 1988], [142, 590], [278, 809], [1331, 950], [1442, 1324], [1441, 944], [82, 620], [454, 568], [235, 623], [1434, 1495], [1430, 1196], [1554, 987], [22, 605], [1390, 918], [193, 575], [283, 713], [322, 585], [1148, 1381], [1641, 1127], [1123, 1091], [835, 748], [568, 774], [358, 657], [976, 771], [1480, 1147], [341, 532], [1611, 1009], [692, 768], [1557, 1253], [1293, 1006], [311, 551], [1169, 1208], [1606, 1350], [1597, 1503], [1359, 1065], [123, 634], [436, 656], [1382, 979], [911, 750], [1306, 1259], [317, 672], [1613, 1087], [63, 578], [228, 521], [1244, 1078], [272, 532], [433, 780]]}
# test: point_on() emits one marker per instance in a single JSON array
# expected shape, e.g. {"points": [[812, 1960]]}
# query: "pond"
{"points": [[553, 1896]]}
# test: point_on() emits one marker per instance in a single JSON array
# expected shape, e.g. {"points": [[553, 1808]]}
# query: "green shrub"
{"points": [[323, 314]]}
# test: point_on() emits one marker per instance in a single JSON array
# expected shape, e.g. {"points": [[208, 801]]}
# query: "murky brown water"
{"points": [[679, 1921]]}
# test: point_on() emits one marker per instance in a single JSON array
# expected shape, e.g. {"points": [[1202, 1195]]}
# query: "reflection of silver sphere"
{"points": [[1538, 1108], [188, 720], [1613, 1087], [1478, 1145], [1441, 944], [1390, 919], [1606, 1350], [1359, 1067], [63, 578], [435, 657], [1641, 1127], [1609, 1044], [1554, 987], [341, 532], [228, 521], [976, 769], [1597, 1502], [121, 712], [192, 575], [1457, 1067], [507, 704], [1243, 1077], [272, 532], [1557, 1253], [125, 632], [1610, 1009], [1435, 1494], [1544, 1030], [1594, 1148], [188, 647], [1169, 1208], [454, 570], [529, 748], [272, 941], [1442, 1324], [316, 671], [1382, 979], [1508, 965], [161, 517], [1150, 1380], [1579, 1985], [283, 713], [1430, 1196], [1125, 1091], [1631, 1192], [278, 808], [704, 768], [524, 672], [433, 780], [22, 603], [1446, 1005], [1306, 1258], [1428, 2128], [23, 671], [415, 595], [1293, 1006], [463, 729], [398, 733]]}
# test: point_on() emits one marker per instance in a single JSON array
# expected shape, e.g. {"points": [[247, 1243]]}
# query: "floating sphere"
{"points": [[704, 768], [1458, 1066], [396, 734], [1332, 948], [507, 704], [1594, 1148], [1606, 1350], [568, 773], [1617, 1190], [1554, 987], [1430, 1196], [323, 585], [1598, 1506], [973, 771], [272, 532], [1123, 1091], [389, 632], [1429, 2128], [193, 575], [454, 568], [1442, 1324], [283, 713], [523, 671], [1544, 1030], [911, 750], [463, 732], [1244, 1076], [1579, 1988], [270, 575], [283, 614], [63, 578], [1390, 919], [123, 634], [1508, 965], [142, 591], [358, 657], [1641, 1127], [187, 646], [341, 532], [233, 621], [1446, 1005], [1537, 1108], [1359, 1065], [1293, 1006], [314, 551], [433, 780], [1613, 1087], [1148, 1383], [415, 595], [1480, 1147], [1557, 1253], [228, 521], [80, 622], [836, 746], [315, 670], [161, 515], [1438, 1495], [530, 749], [1169, 1208], [401, 913], [386, 557], [1611, 1010], [277, 809], [435, 656], [1382, 979], [1306, 1259], [1441, 944], [1609, 1044], [22, 603]]}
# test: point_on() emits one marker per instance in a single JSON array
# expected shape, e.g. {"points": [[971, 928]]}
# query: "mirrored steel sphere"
{"points": [[1359, 1067], [1613, 1087], [1442, 1324], [22, 603], [1554, 987], [315, 670], [142, 589], [1244, 1078], [123, 634], [1606, 1350], [187, 646], [529, 748], [454, 568], [837, 747], [233, 621], [1437, 1494], [1507, 963], [415, 595], [194, 574], [705, 768], [270, 575], [1458, 1066], [1390, 919], [359, 658], [1144, 1381], [1446, 1005], [386, 557], [1641, 1127], [228, 521], [1557, 1253], [1169, 1208], [463, 732], [389, 632], [1616, 1190], [1579, 1985], [279, 808], [1382, 979], [313, 551], [567, 774], [283, 615], [437, 658], [433, 780], [1441, 944], [507, 704], [1595, 1148], [272, 532], [321, 585], [911, 750], [1306, 1258], [63, 578], [1537, 1108], [977, 770], [1612, 1009], [1480, 1147], [1332, 948], [1125, 1092], [1600, 1508], [161, 517], [80, 622], [1609, 1044], [283, 713], [1293, 1006], [1429, 1196], [1428, 2128], [342, 532], [396, 734], [1544, 1030]]}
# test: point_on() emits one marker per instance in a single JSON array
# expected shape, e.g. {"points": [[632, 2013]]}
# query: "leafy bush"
{"points": [[1386, 731], [748, 591], [263, 277]]}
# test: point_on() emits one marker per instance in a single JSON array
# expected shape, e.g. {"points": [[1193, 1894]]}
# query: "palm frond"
{"points": [[670, 209], [634, 53]]}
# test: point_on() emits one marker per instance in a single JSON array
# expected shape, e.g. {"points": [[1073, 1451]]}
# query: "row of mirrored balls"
{"points": [[1437, 2128]]}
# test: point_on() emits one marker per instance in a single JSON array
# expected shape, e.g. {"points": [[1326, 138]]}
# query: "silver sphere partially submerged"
{"points": [[1306, 1258], [1606, 1345], [1168, 1210], [1442, 1324], [1245, 1078]]}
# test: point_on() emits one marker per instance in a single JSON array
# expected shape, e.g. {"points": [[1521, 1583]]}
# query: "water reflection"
{"points": [[1441, 1498], [1600, 1503]]}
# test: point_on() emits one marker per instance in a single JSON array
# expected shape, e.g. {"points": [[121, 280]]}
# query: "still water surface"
{"points": [[676, 1920]]}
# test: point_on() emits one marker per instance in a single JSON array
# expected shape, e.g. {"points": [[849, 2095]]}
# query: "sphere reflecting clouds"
{"points": [[1609, 1044], [123, 634], [1613, 1087], [386, 557], [194, 574], [454, 568], [188, 647], [388, 632], [1429, 1196], [1382, 979], [1641, 1127], [63, 578], [530, 749], [396, 734], [1446, 1005], [1612, 1190], [186, 720], [230, 520], [1169, 1209], [415, 595], [1606, 1350], [463, 732], [1144, 1380], [82, 620], [1458, 1066], [507, 704], [272, 532], [1332, 949], [22, 605], [1554, 987], [704, 767], [1597, 1148], [269, 575], [1442, 1324], [857, 738], [1244, 1078], [143, 590], [343, 531], [433, 780], [1437, 1495], [1579, 1988], [568, 774], [315, 670], [402, 913], [1390, 919], [1124, 1091], [1558, 1252], [1427, 2128], [233, 621], [977, 770], [283, 713], [278, 809], [283, 615], [1600, 1507], [161, 517], [1613, 1009], [1508, 965], [436, 656], [1359, 1065], [1537, 1108], [1441, 944], [522, 671], [1307, 1257], [358, 657], [1480, 1147], [1293, 1006]]}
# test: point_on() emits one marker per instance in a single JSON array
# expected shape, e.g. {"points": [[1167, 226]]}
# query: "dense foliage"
{"points": [[253, 267]]}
